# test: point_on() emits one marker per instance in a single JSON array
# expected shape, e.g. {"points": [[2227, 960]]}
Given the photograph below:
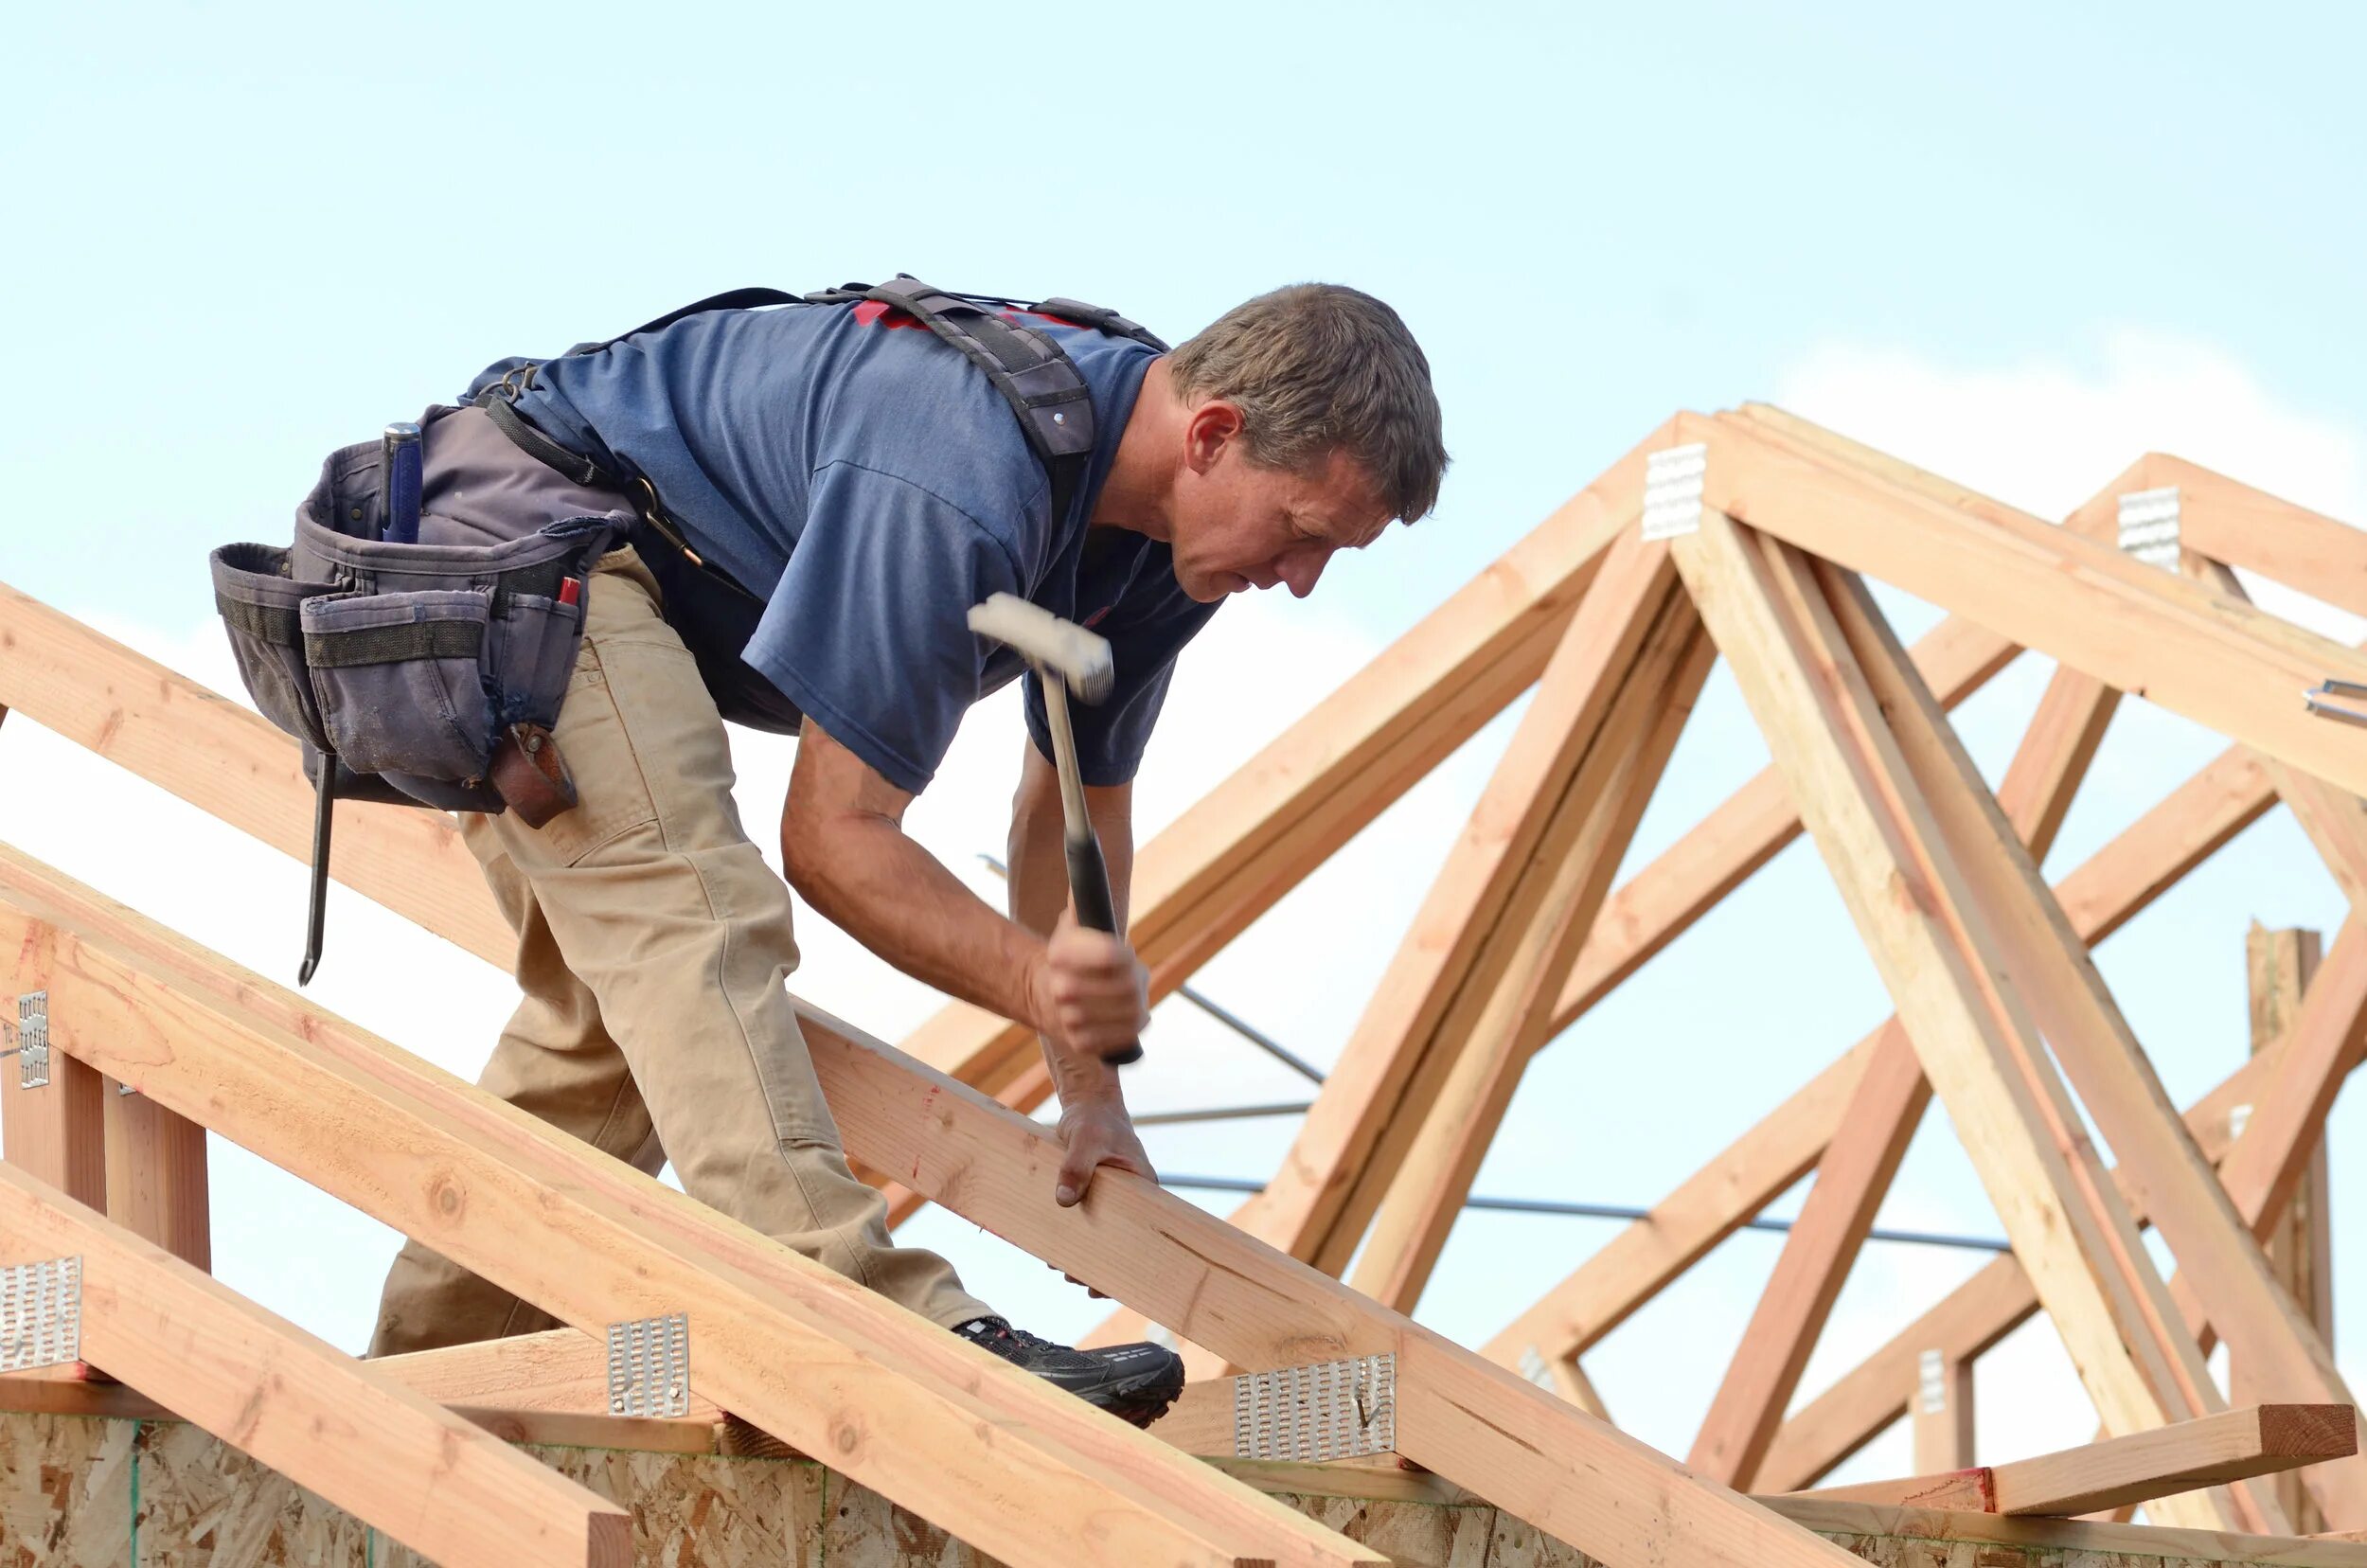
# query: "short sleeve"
{"points": [[1144, 641], [867, 631]]}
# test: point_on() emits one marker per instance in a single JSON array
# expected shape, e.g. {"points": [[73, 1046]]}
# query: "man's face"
{"points": [[1239, 525]]}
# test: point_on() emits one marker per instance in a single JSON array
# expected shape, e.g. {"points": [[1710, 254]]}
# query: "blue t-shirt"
{"points": [[864, 477]]}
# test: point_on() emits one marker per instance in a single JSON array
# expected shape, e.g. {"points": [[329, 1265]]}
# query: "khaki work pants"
{"points": [[653, 943]]}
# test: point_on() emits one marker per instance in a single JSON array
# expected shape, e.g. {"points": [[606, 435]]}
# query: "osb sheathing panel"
{"points": [[66, 1501]]}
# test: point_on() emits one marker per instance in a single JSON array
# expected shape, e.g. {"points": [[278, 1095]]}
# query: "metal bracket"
{"points": [[40, 1313], [2314, 700], [31, 1049], [1533, 1367], [1673, 482], [2238, 1118], [1931, 1382], [649, 1366], [1332, 1410], [2149, 526]]}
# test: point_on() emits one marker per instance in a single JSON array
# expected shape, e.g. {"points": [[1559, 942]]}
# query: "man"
{"points": [[870, 485]]}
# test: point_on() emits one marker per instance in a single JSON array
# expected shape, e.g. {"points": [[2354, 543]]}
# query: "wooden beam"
{"points": [[1941, 1409], [1855, 1176], [1318, 1204], [296, 1403], [1710, 1205], [1286, 1317], [1872, 817], [1981, 1538], [2232, 521], [2220, 1263], [1486, 1041], [2106, 892], [1662, 901], [2278, 968], [830, 1368], [562, 1370], [55, 1133], [1851, 1182], [1472, 1422], [156, 1180], [1965, 1323], [2144, 1467], [2222, 663]]}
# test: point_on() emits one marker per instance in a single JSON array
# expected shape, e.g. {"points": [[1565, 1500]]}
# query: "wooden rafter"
{"points": [[1995, 1301], [2217, 661], [2235, 1445], [425, 1476], [830, 1366], [1450, 962], [1879, 807], [1458, 1414], [1854, 1175], [2100, 895]]}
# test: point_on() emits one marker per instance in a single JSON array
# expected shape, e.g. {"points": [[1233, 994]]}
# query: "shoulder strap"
{"points": [[1034, 375]]}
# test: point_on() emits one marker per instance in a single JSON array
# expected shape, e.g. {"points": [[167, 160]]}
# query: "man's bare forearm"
{"points": [[898, 900]]}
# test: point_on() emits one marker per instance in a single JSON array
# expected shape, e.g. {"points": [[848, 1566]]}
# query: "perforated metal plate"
{"points": [[1332, 1410], [649, 1366], [1534, 1368], [40, 1313], [1672, 491], [1931, 1382], [2149, 526], [32, 1040]]}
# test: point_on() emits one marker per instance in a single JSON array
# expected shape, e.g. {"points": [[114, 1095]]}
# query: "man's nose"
{"points": [[1302, 572]]}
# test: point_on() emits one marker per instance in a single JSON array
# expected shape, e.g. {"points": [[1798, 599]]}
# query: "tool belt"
{"points": [[424, 674]]}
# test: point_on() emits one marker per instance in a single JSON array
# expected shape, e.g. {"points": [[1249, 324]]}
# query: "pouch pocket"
{"points": [[260, 607], [399, 680], [535, 641]]}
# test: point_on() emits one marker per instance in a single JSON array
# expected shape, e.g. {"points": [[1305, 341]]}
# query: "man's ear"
{"points": [[1207, 430]]}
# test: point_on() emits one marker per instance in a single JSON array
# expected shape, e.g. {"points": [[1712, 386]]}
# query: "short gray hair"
{"points": [[1317, 368]]}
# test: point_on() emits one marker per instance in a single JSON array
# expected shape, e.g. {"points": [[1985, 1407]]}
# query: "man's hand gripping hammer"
{"points": [[1066, 657]]}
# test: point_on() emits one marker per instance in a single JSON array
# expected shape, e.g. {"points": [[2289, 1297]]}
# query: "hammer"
{"points": [[1063, 653]]}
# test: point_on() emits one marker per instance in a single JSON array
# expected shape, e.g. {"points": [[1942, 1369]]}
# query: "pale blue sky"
{"points": [[242, 236]]}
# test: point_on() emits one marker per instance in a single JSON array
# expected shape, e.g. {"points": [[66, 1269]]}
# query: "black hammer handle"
{"points": [[1089, 887]]}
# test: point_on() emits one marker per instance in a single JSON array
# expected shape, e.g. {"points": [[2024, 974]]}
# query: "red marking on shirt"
{"points": [[873, 313], [1094, 619]]}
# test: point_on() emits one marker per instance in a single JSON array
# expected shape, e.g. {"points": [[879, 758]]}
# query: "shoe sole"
{"points": [[1144, 1401]]}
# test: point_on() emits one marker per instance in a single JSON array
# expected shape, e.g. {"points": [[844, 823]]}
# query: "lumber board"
{"points": [[2143, 1466], [1852, 1179], [56, 1133], [828, 1365], [1872, 819], [2218, 662], [1588, 1475], [1963, 1325], [2220, 1263], [156, 1176], [2232, 521], [2099, 896], [1854, 1175], [1470, 1421], [1489, 1036], [303, 1407], [561, 1371], [2278, 967], [1317, 1205]]}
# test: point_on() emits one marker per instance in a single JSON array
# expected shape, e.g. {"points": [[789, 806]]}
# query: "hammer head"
{"points": [[1079, 657]]}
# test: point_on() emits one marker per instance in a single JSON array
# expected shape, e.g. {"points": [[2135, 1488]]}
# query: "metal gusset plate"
{"points": [[1332, 1410], [649, 1366], [40, 1313]]}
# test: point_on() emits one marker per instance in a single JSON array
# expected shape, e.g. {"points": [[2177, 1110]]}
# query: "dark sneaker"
{"points": [[1135, 1382]]}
